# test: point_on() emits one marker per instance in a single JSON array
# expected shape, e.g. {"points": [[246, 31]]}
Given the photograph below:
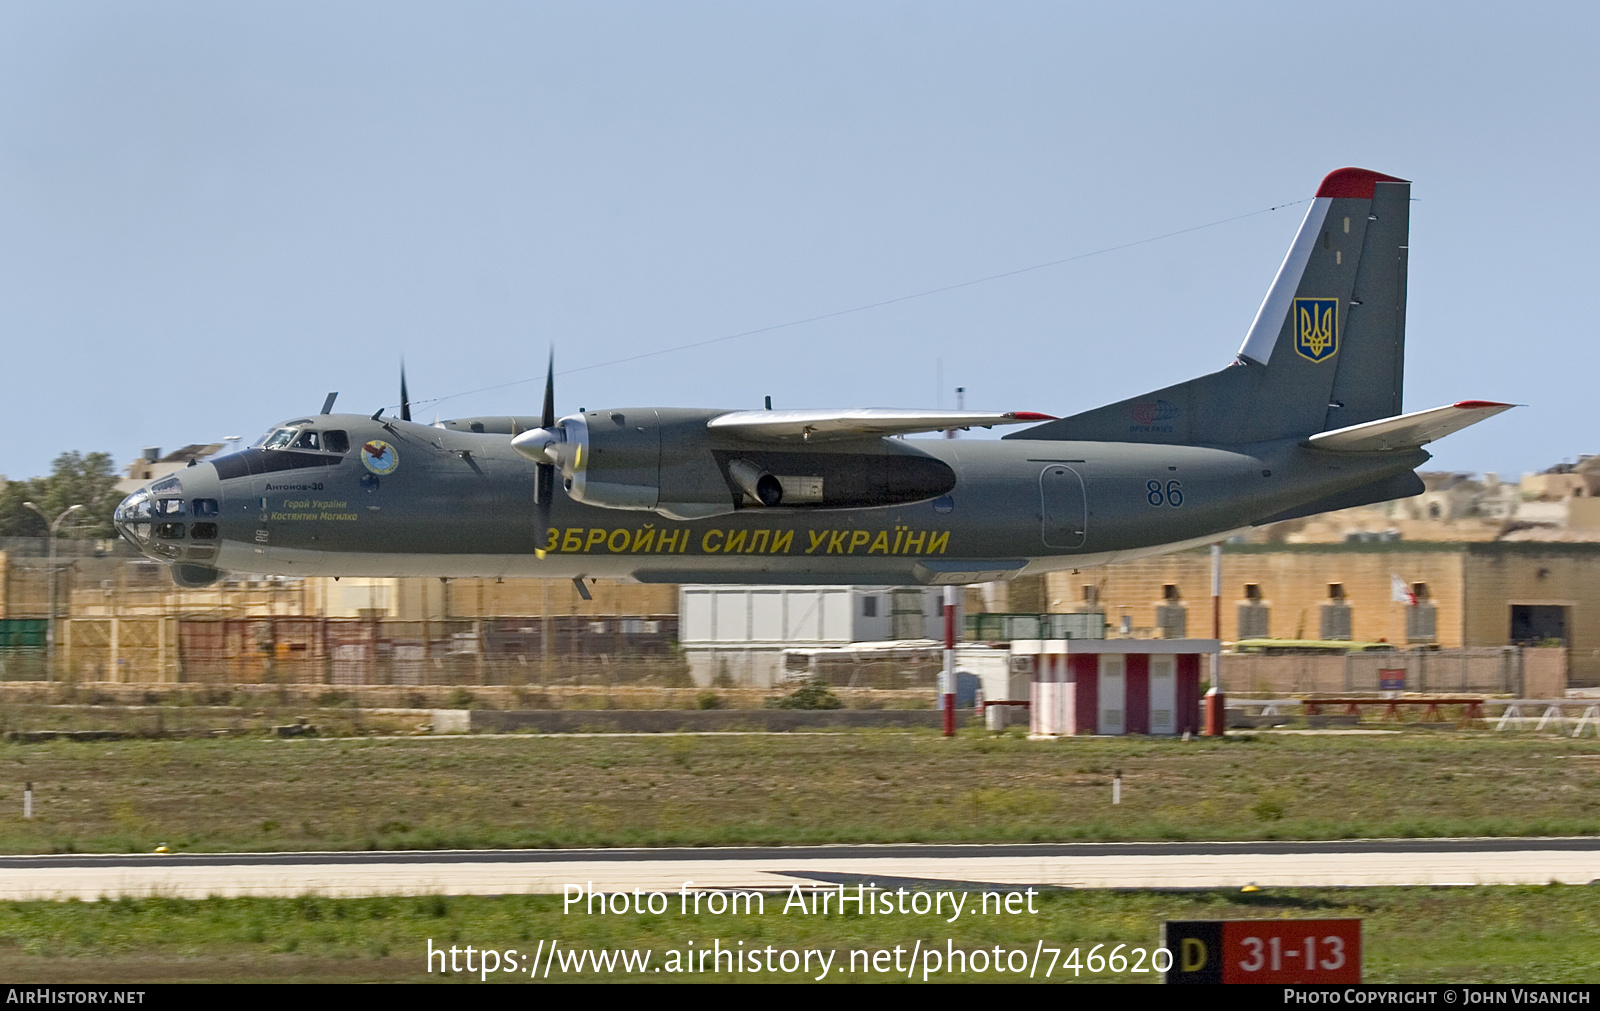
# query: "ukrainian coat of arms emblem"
{"points": [[1316, 328]]}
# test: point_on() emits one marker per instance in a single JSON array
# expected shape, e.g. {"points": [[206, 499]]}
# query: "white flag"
{"points": [[1399, 590]]}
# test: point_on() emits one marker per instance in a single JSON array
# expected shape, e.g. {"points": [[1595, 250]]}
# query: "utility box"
{"points": [[1115, 686]]}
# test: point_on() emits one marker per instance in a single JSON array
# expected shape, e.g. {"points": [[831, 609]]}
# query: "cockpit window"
{"points": [[296, 438], [169, 507]]}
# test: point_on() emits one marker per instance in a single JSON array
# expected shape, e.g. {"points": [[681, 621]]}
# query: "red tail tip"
{"points": [[1353, 182], [1471, 404], [1032, 416]]}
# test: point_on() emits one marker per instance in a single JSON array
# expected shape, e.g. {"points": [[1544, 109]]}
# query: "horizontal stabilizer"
{"points": [[813, 426], [1407, 431]]}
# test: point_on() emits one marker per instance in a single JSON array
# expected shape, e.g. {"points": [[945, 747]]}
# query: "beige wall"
{"points": [[487, 598], [124, 587], [1473, 587], [1559, 486], [120, 649], [1584, 513], [1294, 584], [431, 599], [1563, 575], [1544, 673]]}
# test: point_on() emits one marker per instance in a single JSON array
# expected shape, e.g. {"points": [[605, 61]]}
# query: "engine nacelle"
{"points": [[666, 460], [645, 458], [194, 577]]}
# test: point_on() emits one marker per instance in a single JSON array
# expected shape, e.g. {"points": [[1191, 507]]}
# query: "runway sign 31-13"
{"points": [[1263, 951]]}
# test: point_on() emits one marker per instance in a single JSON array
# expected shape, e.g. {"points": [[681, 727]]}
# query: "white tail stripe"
{"points": [[1263, 335]]}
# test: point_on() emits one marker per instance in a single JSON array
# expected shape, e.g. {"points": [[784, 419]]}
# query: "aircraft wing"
{"points": [[814, 426], [1407, 431]]}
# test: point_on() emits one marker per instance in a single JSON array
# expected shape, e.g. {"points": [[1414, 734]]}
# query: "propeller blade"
{"points": [[405, 401], [544, 482], [548, 418], [544, 493]]}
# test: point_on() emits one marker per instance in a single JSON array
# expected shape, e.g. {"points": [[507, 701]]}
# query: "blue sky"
{"points": [[211, 215]]}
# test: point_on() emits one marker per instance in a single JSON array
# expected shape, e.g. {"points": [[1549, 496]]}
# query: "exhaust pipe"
{"points": [[755, 482]]}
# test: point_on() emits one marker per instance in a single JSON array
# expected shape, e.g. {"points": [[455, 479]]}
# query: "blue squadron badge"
{"points": [[380, 457], [1316, 328]]}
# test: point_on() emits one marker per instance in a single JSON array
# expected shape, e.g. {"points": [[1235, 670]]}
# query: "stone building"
{"points": [[1451, 595]]}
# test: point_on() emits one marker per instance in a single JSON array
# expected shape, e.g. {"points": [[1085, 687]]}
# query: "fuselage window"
{"points": [[170, 531], [204, 531], [336, 442], [169, 507], [205, 507]]}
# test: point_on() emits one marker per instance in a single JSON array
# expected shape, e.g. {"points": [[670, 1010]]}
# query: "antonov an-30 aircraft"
{"points": [[1307, 418]]}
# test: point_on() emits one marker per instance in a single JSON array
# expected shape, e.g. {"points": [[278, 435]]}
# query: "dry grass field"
{"points": [[862, 786]]}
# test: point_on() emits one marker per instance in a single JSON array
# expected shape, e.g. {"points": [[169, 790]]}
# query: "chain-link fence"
{"points": [[546, 650]]}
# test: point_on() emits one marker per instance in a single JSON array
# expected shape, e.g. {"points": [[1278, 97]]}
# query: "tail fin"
{"points": [[1326, 349]]}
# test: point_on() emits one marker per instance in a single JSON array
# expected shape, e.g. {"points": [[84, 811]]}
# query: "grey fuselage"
{"points": [[451, 502]]}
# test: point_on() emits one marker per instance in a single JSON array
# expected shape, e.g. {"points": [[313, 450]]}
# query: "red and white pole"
{"points": [[1215, 704], [947, 677]]}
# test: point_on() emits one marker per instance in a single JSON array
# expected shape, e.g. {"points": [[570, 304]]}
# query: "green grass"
{"points": [[867, 786], [1410, 935]]}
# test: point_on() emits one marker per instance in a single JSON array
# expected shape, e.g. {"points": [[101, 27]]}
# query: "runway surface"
{"points": [[1003, 866]]}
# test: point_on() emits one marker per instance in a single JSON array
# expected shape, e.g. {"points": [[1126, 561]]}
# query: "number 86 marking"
{"points": [[1171, 495]]}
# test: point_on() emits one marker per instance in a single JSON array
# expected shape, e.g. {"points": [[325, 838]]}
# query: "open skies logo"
{"points": [[1155, 411]]}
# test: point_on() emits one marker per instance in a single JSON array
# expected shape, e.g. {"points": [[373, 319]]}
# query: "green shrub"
{"points": [[814, 694]]}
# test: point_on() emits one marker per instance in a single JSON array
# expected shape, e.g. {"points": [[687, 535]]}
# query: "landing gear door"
{"points": [[1064, 507]]}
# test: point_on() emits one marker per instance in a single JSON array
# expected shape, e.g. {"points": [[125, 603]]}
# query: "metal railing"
{"points": [[1000, 627], [1495, 670]]}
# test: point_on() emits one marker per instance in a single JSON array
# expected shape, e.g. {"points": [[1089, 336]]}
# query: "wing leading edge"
{"points": [[814, 426], [1407, 431]]}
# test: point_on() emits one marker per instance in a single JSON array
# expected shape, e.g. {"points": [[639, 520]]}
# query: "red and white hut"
{"points": [[1115, 686]]}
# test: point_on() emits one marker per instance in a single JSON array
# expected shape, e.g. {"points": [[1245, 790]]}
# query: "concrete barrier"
{"points": [[658, 721], [452, 721]]}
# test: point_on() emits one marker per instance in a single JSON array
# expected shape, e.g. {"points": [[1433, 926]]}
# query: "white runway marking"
{"points": [[779, 870]]}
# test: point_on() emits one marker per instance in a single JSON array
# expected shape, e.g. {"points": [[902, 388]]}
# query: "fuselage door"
{"points": [[1064, 507]]}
